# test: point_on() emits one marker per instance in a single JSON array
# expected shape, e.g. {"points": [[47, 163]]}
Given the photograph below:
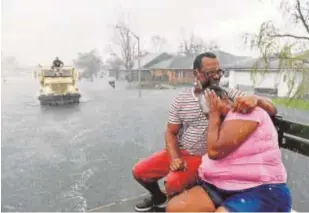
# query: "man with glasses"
{"points": [[185, 136]]}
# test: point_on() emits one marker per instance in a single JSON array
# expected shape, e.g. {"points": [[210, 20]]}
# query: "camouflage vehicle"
{"points": [[58, 85]]}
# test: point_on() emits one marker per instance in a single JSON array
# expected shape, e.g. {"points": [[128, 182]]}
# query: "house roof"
{"points": [[228, 58], [176, 62], [164, 60], [149, 59], [163, 64], [272, 64], [186, 62], [250, 63]]}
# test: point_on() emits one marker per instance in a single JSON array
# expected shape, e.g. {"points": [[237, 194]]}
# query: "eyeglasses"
{"points": [[211, 73]]}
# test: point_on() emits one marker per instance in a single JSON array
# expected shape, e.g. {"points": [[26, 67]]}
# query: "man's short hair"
{"points": [[197, 64]]}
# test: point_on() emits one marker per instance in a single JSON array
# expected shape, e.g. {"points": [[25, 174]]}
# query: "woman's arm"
{"points": [[267, 105], [249, 102], [226, 138]]}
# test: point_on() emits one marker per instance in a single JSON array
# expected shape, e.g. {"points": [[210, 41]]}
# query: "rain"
{"points": [[79, 156]]}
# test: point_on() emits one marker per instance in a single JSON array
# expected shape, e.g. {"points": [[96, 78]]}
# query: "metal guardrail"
{"points": [[293, 135]]}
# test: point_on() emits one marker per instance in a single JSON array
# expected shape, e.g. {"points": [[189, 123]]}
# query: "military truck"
{"points": [[58, 85]]}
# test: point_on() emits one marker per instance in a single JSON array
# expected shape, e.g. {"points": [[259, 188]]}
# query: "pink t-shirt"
{"points": [[257, 161]]}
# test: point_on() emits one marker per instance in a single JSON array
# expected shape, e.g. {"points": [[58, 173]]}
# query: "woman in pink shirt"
{"points": [[242, 170]]}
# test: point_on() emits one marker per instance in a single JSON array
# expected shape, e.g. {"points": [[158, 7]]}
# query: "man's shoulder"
{"points": [[184, 94]]}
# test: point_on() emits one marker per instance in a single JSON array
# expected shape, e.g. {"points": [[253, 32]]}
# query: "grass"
{"points": [[292, 103]]}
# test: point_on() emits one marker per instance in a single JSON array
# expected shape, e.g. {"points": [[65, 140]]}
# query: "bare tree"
{"points": [[196, 45], [291, 49], [158, 43], [126, 44]]}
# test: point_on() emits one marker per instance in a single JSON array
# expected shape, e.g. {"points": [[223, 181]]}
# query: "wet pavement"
{"points": [[78, 157]]}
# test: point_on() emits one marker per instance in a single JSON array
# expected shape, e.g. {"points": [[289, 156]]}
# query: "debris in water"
{"points": [[112, 84]]}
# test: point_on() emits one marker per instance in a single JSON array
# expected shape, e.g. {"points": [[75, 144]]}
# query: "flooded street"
{"points": [[77, 157]]}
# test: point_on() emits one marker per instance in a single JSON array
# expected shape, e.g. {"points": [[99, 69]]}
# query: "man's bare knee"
{"points": [[174, 184], [138, 171]]}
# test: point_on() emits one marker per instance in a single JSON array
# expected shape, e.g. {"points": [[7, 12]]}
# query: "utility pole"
{"points": [[138, 59], [139, 67]]}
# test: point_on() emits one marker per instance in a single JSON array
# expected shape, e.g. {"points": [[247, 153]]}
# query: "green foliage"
{"points": [[292, 103], [286, 52]]}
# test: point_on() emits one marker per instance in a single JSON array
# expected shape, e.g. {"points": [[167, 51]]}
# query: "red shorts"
{"points": [[156, 167]]}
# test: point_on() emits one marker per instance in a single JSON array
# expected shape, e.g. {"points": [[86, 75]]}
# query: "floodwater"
{"points": [[77, 157]]}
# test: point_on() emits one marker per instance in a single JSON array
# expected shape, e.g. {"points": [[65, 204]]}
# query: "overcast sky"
{"points": [[35, 31]]}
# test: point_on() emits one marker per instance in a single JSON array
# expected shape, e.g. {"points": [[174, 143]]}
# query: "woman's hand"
{"points": [[215, 104], [245, 104]]}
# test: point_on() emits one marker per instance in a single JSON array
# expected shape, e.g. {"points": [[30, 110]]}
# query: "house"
{"points": [[150, 59], [241, 74], [179, 69], [262, 77], [146, 62], [175, 70]]}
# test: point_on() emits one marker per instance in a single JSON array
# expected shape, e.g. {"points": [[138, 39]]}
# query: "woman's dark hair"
{"points": [[221, 93]]}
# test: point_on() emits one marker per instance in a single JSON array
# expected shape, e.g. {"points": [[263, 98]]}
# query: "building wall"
{"points": [[268, 80], [173, 76], [181, 76], [281, 81], [160, 75]]}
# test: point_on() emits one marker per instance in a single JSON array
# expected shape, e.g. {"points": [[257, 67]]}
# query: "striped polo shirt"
{"points": [[186, 110]]}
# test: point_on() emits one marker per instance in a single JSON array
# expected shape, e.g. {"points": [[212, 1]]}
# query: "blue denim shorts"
{"points": [[263, 198]]}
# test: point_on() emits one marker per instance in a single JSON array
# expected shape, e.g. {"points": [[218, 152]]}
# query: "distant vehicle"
{"points": [[58, 85]]}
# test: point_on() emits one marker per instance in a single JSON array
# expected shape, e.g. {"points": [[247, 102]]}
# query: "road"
{"points": [[75, 158]]}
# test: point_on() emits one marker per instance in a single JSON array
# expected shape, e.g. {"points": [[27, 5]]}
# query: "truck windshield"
{"points": [[60, 73]]}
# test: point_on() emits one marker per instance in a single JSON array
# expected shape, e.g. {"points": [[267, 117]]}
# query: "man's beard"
{"points": [[210, 82]]}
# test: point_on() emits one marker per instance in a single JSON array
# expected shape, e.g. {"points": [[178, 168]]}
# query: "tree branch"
{"points": [[301, 16], [289, 36]]}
